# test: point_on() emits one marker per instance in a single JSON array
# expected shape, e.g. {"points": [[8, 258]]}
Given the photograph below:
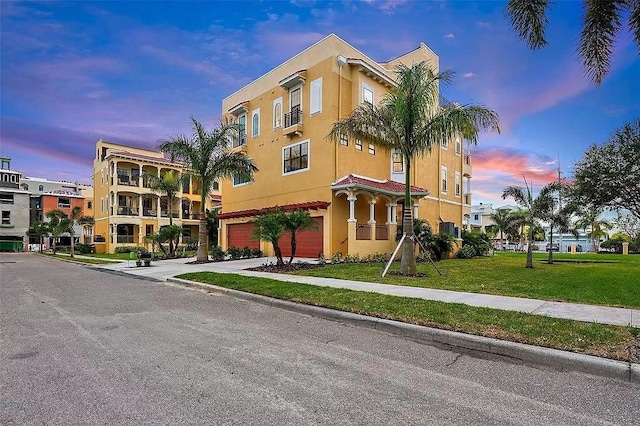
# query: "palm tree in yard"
{"points": [[556, 215], [76, 216], [533, 209], [270, 227], [598, 227], [295, 221], [503, 220], [410, 119], [207, 154], [169, 185]]}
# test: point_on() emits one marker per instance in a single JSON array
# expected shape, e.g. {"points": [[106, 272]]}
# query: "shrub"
{"points": [[82, 248], [256, 252], [466, 252], [376, 258], [352, 258], [246, 252], [217, 254], [336, 258], [234, 252], [129, 249], [478, 243]]}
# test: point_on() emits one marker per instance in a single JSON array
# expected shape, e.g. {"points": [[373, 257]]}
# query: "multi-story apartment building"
{"points": [[14, 209], [126, 209], [354, 190]]}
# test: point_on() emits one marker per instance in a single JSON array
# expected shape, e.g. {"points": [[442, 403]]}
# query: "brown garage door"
{"points": [[309, 243], [239, 235]]}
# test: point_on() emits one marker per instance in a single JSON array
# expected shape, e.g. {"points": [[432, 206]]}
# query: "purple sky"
{"points": [[133, 72]]}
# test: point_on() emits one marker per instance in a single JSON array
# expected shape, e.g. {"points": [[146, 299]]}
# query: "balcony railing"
{"points": [[127, 211], [125, 239], [240, 140], [292, 118], [363, 231], [165, 213], [149, 212], [123, 180], [382, 232]]}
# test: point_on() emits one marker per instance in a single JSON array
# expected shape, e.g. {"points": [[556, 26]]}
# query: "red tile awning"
{"points": [[310, 205], [386, 186]]}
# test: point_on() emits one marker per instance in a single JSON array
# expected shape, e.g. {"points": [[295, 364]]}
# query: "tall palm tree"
{"points": [[295, 221], [533, 210], [207, 154], [503, 220], [410, 119], [169, 185], [602, 20]]}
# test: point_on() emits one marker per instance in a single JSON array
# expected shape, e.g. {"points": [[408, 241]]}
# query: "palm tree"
{"points": [[207, 154], [410, 120], [503, 220], [169, 185], [270, 227], [297, 220], [601, 22], [76, 216], [598, 227], [41, 229], [59, 223], [556, 215], [533, 210]]}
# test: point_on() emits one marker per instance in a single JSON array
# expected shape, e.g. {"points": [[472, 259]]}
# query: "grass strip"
{"points": [[80, 259], [601, 340]]}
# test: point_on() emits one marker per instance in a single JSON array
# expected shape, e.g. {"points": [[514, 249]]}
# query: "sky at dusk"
{"points": [[133, 73]]}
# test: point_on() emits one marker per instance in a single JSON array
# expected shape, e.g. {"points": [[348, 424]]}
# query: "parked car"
{"points": [[554, 247]]}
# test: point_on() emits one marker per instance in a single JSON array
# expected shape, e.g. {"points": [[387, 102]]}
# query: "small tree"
{"points": [[503, 220], [270, 227], [76, 216], [295, 221], [556, 215], [59, 223], [169, 234], [169, 185], [41, 230]]}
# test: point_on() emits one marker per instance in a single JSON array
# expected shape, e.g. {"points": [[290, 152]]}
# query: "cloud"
{"points": [[387, 6], [449, 35], [468, 74], [483, 24]]}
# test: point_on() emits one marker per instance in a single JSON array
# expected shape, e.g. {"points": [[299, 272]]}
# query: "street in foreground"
{"points": [[84, 346]]}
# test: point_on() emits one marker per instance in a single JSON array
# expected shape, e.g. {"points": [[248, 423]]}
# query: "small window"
{"points": [[148, 229], [476, 217], [444, 143], [457, 184], [41, 188], [358, 144], [101, 205], [25, 187], [255, 123], [458, 145], [398, 164], [216, 186], [102, 177], [242, 132], [367, 94], [6, 217], [372, 149], [6, 198], [444, 179], [277, 113], [64, 202], [240, 180], [295, 157], [89, 205], [344, 140], [315, 96]]}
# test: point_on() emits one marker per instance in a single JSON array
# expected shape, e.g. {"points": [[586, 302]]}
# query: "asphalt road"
{"points": [[81, 346]]}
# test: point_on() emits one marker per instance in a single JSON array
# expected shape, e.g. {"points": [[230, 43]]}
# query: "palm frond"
{"points": [[518, 194], [601, 23], [529, 19], [634, 21]]}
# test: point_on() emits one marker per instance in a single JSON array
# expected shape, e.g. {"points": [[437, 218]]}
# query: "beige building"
{"points": [[125, 208], [353, 190]]}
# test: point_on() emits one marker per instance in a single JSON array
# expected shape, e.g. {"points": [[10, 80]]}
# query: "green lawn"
{"points": [[595, 339], [79, 259], [580, 278]]}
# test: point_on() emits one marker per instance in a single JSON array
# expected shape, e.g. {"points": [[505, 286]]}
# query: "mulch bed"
{"points": [[298, 266]]}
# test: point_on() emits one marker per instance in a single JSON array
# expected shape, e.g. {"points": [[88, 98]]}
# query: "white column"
{"points": [[139, 205], [394, 209], [389, 217], [140, 178], [158, 209], [352, 208], [416, 204], [372, 211]]}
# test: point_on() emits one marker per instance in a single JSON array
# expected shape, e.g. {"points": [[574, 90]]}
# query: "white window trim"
{"points": [[458, 143], [444, 143], [358, 144], [276, 102], [403, 164], [233, 184], [373, 93], [317, 81], [255, 112], [306, 169], [458, 185], [445, 180]]}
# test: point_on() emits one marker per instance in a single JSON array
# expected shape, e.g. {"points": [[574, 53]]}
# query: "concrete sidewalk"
{"points": [[162, 270]]}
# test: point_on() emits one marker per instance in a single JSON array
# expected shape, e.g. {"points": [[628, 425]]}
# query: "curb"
{"points": [[555, 358]]}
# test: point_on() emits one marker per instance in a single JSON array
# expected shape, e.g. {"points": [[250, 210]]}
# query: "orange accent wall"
{"points": [[50, 202]]}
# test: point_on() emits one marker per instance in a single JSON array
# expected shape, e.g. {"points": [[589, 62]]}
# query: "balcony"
{"points": [[240, 140], [127, 211], [126, 239], [148, 212], [293, 123], [165, 213], [466, 166], [123, 180], [467, 198]]}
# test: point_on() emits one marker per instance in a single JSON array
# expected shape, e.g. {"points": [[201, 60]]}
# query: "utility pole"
{"points": [[559, 205]]}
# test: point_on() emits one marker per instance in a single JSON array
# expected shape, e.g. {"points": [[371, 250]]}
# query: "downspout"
{"points": [[341, 63]]}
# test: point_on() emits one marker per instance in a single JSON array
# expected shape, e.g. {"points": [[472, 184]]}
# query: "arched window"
{"points": [[25, 187], [41, 188], [277, 114], [255, 123]]}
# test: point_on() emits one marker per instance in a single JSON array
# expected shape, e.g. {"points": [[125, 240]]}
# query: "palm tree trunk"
{"points": [[408, 262], [530, 249], [72, 245], [203, 255], [550, 259], [278, 252], [294, 245]]}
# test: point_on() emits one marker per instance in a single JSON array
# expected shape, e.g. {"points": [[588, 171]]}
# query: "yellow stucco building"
{"points": [[126, 210], [353, 190]]}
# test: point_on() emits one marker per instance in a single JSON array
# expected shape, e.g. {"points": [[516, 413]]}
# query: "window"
{"points": [[6, 198], [344, 140], [294, 116], [372, 149], [444, 143], [458, 145], [277, 113], [89, 205], [101, 205], [443, 175], [358, 145], [315, 96], [242, 131], [64, 202], [255, 123], [101, 177], [148, 229], [457, 184], [476, 217], [216, 186], [41, 188], [6, 217], [25, 187], [295, 157], [240, 180], [367, 94], [398, 164]]}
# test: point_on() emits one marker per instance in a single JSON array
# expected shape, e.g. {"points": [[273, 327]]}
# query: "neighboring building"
{"points": [[126, 210], [14, 209], [353, 190]]}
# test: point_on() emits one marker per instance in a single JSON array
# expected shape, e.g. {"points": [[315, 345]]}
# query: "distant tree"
{"points": [[555, 214], [41, 230], [59, 223], [168, 185], [590, 218], [270, 227], [295, 221], [503, 220], [609, 175], [534, 209], [207, 154], [76, 216], [602, 20], [411, 119]]}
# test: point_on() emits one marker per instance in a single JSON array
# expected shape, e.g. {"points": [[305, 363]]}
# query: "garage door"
{"points": [[239, 235], [309, 243]]}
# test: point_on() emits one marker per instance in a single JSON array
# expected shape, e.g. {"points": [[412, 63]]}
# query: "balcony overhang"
{"points": [[240, 109], [372, 72], [293, 80]]}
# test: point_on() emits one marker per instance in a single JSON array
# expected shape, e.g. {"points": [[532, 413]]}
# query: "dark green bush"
{"points": [[466, 252], [217, 254], [129, 249], [234, 252], [82, 248], [246, 252], [256, 252], [477, 241]]}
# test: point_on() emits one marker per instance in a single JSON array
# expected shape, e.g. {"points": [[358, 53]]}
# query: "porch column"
{"points": [[391, 221], [115, 203], [352, 208], [158, 209], [372, 218], [140, 177], [415, 209], [140, 205], [114, 174]]}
